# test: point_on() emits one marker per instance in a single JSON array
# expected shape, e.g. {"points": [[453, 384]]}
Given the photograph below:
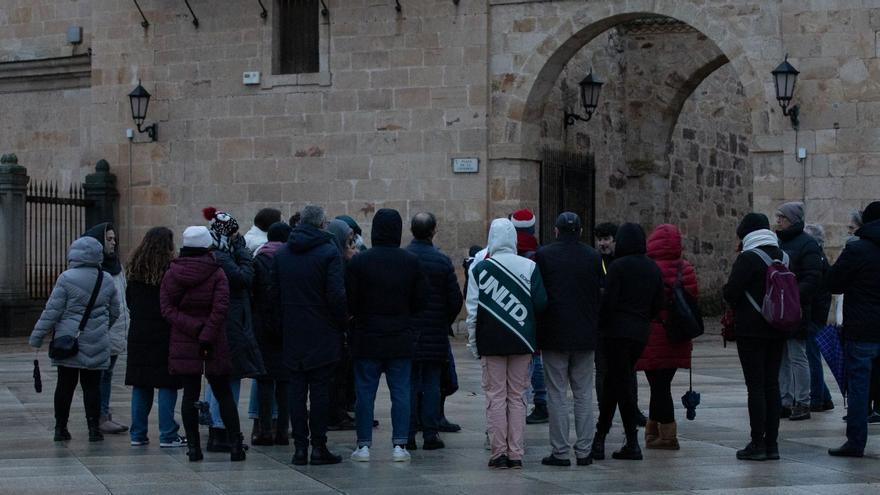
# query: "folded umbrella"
{"points": [[690, 400], [830, 345], [38, 381]]}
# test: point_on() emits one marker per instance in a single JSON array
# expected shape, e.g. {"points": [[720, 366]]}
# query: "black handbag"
{"points": [[66, 346], [685, 320]]}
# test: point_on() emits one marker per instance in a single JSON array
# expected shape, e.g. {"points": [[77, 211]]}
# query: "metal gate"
{"points": [[568, 183], [53, 223]]}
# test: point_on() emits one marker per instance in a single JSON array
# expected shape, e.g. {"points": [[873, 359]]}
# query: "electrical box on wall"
{"points": [[74, 35], [249, 78]]}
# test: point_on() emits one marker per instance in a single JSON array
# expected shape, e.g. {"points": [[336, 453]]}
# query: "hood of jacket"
{"points": [[502, 237], [255, 238], [270, 248], [341, 232], [85, 251], [305, 237], [110, 262], [387, 228], [192, 271], [870, 232], [664, 243], [630, 240], [791, 232]]}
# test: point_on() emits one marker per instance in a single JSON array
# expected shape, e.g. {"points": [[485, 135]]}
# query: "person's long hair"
{"points": [[152, 257]]}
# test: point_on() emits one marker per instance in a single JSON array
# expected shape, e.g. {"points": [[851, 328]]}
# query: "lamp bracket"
{"points": [[793, 114], [264, 14], [397, 6], [195, 20], [570, 118], [144, 23], [324, 11], [152, 131]]}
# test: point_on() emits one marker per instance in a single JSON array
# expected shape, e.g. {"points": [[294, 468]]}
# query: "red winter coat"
{"points": [[664, 247], [195, 297]]}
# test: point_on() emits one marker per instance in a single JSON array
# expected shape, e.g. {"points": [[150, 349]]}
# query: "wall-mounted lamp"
{"points": [[785, 77], [140, 100], [590, 89]]}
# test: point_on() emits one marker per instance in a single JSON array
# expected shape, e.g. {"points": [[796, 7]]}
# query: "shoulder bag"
{"points": [[66, 346]]}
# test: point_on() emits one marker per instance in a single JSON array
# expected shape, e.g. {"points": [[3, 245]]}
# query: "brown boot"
{"points": [[652, 432], [668, 438]]}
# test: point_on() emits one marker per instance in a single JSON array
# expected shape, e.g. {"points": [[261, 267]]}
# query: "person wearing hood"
{"points": [[194, 297], [271, 388], [856, 275], [431, 331], [342, 385], [806, 262], [633, 297], [567, 335], [661, 357], [105, 233], [385, 287], [232, 254], [64, 316], [505, 294], [309, 287], [359, 243], [759, 345]]}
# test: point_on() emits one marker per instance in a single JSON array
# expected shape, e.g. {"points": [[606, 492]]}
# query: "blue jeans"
{"points": [[539, 390], [142, 403], [425, 398], [106, 385], [254, 402], [859, 360], [214, 406], [366, 382], [819, 393]]}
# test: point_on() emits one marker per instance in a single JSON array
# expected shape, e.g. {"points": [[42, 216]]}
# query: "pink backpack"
{"points": [[781, 307]]}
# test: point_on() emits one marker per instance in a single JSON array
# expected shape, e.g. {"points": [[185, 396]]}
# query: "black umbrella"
{"points": [[690, 400], [38, 382]]}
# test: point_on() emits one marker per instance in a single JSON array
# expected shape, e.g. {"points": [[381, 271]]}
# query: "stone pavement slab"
{"points": [[31, 463]]}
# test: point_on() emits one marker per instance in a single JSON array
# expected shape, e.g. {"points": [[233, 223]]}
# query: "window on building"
{"points": [[299, 30]]}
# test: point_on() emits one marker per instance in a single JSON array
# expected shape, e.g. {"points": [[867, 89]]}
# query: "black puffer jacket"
{"points": [[749, 274], [267, 326], [633, 289], [431, 326], [572, 274], [309, 285], [385, 288], [856, 275], [149, 336], [806, 263], [238, 265]]}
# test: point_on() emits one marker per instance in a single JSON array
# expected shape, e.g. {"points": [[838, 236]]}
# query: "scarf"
{"points": [[760, 238]]}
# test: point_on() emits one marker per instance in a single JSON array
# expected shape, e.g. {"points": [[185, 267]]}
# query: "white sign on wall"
{"points": [[465, 165]]}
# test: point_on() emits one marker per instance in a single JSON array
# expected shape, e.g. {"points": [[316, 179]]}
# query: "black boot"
{"points": [[264, 435], [95, 434], [300, 456], [217, 440], [236, 448], [598, 449], [630, 450], [61, 433], [754, 451], [321, 456], [539, 415], [194, 447]]}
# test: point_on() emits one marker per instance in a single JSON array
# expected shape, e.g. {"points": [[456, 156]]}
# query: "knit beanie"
{"points": [[351, 223], [793, 211], [523, 219], [751, 223], [279, 232], [871, 213], [197, 236]]}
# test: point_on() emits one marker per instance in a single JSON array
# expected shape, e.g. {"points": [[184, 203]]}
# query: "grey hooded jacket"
{"points": [[68, 301]]}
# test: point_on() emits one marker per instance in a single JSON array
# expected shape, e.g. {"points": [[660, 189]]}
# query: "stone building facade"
{"points": [[688, 130]]}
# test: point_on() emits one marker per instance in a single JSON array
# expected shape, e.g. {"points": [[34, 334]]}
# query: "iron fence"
{"points": [[568, 183]]}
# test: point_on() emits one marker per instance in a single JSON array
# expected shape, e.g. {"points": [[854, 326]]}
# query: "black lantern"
{"points": [[785, 77], [590, 89], [140, 101]]}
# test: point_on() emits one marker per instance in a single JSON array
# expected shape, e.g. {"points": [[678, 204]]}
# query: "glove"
{"points": [[206, 350]]}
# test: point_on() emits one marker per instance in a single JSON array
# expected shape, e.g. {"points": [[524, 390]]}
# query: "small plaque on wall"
{"points": [[465, 165]]}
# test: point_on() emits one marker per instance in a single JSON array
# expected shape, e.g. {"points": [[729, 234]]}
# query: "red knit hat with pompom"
{"points": [[523, 219]]}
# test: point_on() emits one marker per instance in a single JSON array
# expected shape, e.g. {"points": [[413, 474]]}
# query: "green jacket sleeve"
{"points": [[539, 293]]}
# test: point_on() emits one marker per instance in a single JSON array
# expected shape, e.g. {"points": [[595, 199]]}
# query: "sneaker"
{"points": [[399, 454], [552, 460], [514, 464], [799, 412], [846, 450], [539, 415], [362, 454], [177, 442], [140, 443], [500, 462]]}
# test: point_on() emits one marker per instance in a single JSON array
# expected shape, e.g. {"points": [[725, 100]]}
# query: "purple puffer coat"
{"points": [[195, 297]]}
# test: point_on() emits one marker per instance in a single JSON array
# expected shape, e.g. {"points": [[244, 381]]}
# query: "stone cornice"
{"points": [[46, 74]]}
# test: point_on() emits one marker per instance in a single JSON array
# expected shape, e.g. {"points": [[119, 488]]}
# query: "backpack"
{"points": [[781, 307], [684, 320]]}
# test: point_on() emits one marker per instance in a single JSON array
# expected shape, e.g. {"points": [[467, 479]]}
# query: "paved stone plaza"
{"points": [[32, 463]]}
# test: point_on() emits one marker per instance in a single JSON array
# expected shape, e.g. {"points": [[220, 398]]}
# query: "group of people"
{"points": [[315, 318]]}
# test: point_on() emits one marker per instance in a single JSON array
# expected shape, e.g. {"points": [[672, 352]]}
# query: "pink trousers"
{"points": [[505, 380]]}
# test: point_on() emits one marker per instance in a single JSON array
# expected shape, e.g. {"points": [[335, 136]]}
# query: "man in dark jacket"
{"points": [[856, 275], [633, 297], [309, 287], [806, 263], [431, 331], [385, 288], [567, 334]]}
